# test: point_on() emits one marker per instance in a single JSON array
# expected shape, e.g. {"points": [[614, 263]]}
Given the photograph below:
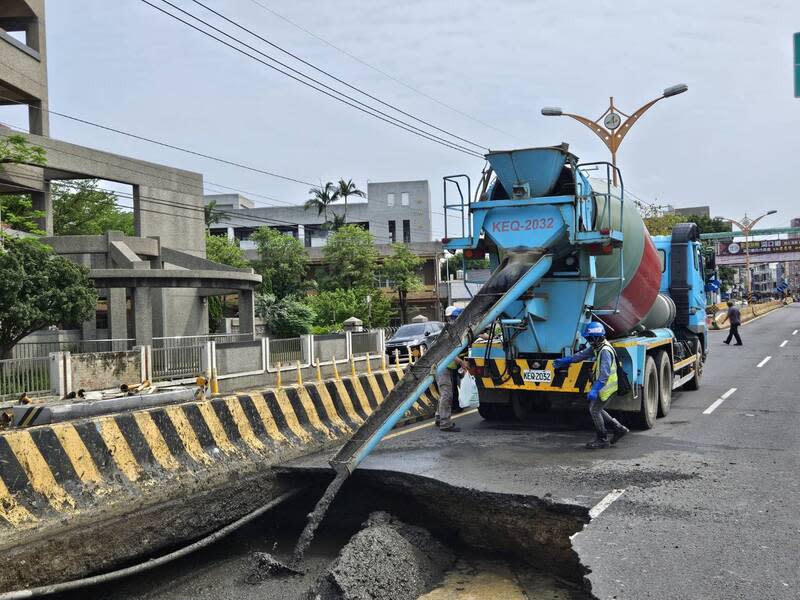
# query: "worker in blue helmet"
{"points": [[604, 384]]}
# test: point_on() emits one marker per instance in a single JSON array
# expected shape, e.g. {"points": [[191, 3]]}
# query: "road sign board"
{"points": [[733, 253], [797, 65]]}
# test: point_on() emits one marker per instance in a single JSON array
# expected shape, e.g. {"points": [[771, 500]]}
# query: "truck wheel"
{"points": [[495, 412], [646, 417], [664, 366], [694, 383]]}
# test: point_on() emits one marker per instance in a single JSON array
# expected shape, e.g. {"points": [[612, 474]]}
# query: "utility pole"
{"points": [[612, 121]]}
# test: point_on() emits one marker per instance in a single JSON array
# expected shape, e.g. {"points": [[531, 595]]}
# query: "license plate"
{"points": [[537, 376]]}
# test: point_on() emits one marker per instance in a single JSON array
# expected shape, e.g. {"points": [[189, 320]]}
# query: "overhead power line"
{"points": [[335, 78], [382, 72], [335, 94]]}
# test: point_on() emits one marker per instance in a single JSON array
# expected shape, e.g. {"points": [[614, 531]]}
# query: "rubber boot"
{"points": [[619, 433], [601, 441]]}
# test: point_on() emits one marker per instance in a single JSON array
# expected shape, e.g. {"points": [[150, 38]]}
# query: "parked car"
{"points": [[413, 338]]}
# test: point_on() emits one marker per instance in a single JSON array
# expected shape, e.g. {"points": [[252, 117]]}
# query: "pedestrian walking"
{"points": [[448, 381], [735, 318], [604, 386]]}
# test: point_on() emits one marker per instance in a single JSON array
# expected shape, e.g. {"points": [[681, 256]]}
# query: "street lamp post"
{"points": [[746, 226], [612, 121]]}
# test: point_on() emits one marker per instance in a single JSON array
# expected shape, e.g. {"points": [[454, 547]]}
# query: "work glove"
{"points": [[594, 393], [561, 363]]}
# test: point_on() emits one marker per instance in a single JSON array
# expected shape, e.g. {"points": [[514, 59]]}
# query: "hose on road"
{"points": [[75, 584]]}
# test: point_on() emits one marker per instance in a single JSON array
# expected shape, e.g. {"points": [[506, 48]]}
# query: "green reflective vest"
{"points": [[610, 388]]}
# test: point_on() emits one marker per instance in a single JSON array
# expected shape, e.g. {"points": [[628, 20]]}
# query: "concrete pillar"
{"points": [[231, 234], [143, 315], [247, 315], [117, 314], [42, 201]]}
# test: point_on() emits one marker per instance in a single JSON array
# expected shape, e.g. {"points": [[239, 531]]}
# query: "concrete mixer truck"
{"points": [[566, 248]]}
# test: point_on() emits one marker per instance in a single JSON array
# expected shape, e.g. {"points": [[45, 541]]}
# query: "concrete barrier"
{"points": [[748, 313], [61, 479]]}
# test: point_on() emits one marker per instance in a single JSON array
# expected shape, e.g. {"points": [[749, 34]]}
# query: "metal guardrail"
{"points": [[184, 341], [180, 362], [285, 351], [43, 349], [18, 375]]}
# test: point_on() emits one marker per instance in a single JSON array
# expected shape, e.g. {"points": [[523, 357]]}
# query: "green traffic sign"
{"points": [[797, 65]]}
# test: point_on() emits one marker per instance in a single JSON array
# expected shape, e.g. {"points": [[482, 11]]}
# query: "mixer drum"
{"points": [[641, 266]]}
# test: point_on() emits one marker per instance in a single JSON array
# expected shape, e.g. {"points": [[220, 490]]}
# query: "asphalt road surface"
{"points": [[711, 500], [704, 506]]}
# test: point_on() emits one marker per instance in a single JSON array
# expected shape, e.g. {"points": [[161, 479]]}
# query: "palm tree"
{"points": [[345, 189], [321, 198]]}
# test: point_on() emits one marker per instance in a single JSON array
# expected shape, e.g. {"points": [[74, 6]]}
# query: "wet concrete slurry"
{"points": [[709, 510]]}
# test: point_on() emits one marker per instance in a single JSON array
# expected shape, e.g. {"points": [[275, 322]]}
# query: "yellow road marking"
{"points": [[430, 423], [77, 453], [187, 435], [118, 446], [155, 441]]}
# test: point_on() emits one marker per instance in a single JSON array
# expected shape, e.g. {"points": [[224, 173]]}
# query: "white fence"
{"points": [[18, 375], [43, 349], [177, 362]]}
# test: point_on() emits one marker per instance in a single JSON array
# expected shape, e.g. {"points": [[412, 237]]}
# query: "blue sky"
{"points": [[732, 141]]}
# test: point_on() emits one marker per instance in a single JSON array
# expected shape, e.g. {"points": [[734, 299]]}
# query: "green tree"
{"points": [[321, 198], [18, 213], [212, 214], [222, 250], [284, 317], [663, 224], [282, 263], [345, 189], [457, 262], [401, 269], [17, 210], [333, 307], [350, 259], [39, 289], [82, 208]]}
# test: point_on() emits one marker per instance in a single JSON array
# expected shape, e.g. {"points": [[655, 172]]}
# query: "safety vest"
{"points": [[610, 388]]}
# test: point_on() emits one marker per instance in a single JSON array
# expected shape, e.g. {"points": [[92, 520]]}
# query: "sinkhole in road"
{"points": [[394, 536], [387, 536]]}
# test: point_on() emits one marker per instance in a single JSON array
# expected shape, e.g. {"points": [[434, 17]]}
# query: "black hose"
{"points": [[75, 584]]}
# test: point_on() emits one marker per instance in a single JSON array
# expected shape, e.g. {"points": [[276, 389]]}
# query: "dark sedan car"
{"points": [[413, 338]]}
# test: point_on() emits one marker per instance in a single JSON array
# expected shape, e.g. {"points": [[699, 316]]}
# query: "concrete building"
{"points": [[159, 277], [398, 211], [793, 267]]}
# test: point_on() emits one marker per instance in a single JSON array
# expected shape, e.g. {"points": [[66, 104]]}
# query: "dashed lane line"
{"points": [[598, 508], [794, 332], [719, 401], [783, 343], [763, 362], [431, 423]]}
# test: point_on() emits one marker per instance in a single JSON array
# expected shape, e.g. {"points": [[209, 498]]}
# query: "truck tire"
{"points": [[646, 417], [694, 383], [664, 367], [496, 412]]}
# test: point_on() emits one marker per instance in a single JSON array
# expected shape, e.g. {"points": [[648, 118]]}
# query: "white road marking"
{"points": [[598, 508], [784, 342], [794, 332], [763, 362], [431, 423], [719, 401]]}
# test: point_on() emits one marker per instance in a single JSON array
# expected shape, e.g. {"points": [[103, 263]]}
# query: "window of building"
{"points": [[406, 231], [392, 231], [390, 199], [404, 198]]}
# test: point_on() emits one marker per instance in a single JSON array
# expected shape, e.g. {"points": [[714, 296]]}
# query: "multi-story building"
{"points": [[393, 212], [793, 267]]}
